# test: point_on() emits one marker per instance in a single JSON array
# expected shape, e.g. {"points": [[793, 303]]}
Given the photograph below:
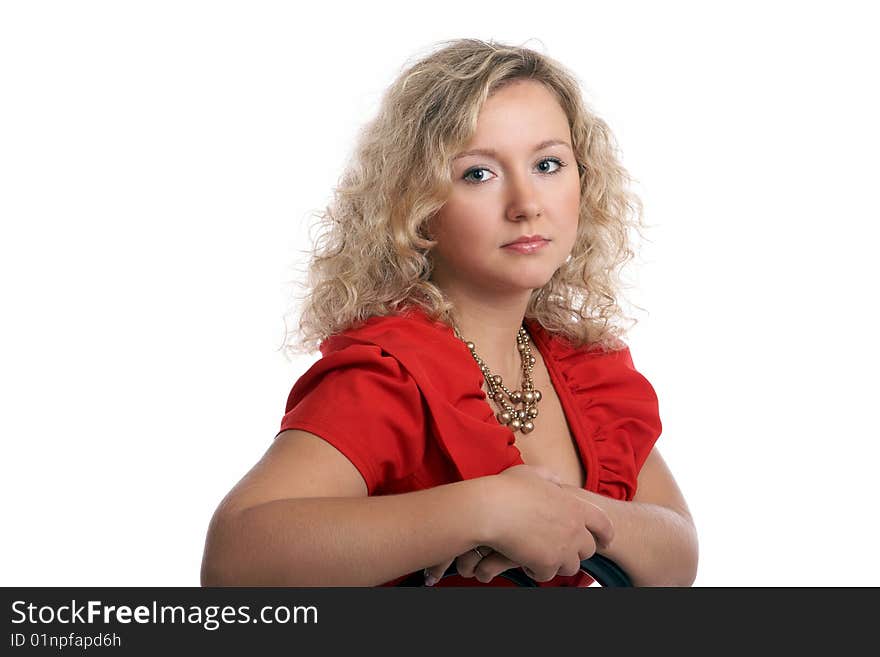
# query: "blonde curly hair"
{"points": [[374, 255]]}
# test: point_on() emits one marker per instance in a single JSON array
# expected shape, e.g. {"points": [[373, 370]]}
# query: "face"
{"points": [[520, 185]]}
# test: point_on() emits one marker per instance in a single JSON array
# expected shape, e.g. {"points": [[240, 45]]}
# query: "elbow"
{"points": [[689, 555], [218, 555], [211, 574], [688, 574], [677, 560], [683, 574], [214, 571], [237, 554]]}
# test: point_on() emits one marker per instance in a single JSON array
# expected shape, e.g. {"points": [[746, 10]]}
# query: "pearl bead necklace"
{"points": [[516, 419]]}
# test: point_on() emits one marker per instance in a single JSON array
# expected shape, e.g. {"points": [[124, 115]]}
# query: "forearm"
{"points": [[344, 541], [655, 545]]}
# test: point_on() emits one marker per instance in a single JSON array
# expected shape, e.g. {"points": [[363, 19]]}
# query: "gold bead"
{"points": [[498, 396], [522, 346], [537, 395], [470, 345], [496, 378], [521, 414], [532, 360], [515, 424], [528, 396], [533, 412], [516, 396], [504, 417], [528, 426]]}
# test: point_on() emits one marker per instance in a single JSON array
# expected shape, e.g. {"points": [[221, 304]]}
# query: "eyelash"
{"points": [[546, 173]]}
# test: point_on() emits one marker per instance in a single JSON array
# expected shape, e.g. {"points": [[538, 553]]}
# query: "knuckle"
{"points": [[484, 574], [545, 572], [589, 547], [602, 523], [464, 567], [609, 532], [571, 569]]}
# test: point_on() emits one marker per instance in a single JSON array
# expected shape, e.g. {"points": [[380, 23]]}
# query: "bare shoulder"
{"points": [[297, 464]]}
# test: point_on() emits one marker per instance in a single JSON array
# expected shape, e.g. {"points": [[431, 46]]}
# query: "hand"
{"points": [[481, 562], [602, 543], [596, 532], [544, 525]]}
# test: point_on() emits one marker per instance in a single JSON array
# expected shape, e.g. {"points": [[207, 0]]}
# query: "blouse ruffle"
{"points": [[421, 378], [613, 409]]}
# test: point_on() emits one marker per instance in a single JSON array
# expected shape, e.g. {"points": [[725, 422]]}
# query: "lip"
{"points": [[527, 246], [525, 239]]}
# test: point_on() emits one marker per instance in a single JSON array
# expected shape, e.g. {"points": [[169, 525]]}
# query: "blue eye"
{"points": [[472, 171], [551, 160]]}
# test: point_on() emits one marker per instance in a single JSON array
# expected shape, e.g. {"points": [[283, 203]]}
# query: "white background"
{"points": [[159, 165]]}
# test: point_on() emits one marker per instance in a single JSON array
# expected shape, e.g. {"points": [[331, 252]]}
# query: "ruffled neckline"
{"points": [[607, 403], [612, 409]]}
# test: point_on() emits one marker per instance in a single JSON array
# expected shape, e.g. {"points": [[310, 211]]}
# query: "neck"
{"points": [[492, 326]]}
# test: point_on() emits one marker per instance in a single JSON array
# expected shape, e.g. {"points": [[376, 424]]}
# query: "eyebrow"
{"points": [[491, 153]]}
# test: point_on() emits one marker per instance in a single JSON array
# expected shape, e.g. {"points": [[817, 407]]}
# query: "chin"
{"points": [[527, 276], [529, 282], [534, 274]]}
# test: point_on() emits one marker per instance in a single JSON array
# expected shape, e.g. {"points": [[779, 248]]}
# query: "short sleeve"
{"points": [[365, 403], [623, 411]]}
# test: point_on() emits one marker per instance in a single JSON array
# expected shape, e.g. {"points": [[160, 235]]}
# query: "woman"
{"points": [[474, 402]]}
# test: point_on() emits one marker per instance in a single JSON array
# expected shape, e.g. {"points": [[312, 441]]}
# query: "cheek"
{"points": [[461, 224], [566, 207], [571, 196]]}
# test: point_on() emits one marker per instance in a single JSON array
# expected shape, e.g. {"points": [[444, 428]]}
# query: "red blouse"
{"points": [[401, 397]]}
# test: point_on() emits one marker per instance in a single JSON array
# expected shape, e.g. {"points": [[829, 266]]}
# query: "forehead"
{"points": [[523, 108]]}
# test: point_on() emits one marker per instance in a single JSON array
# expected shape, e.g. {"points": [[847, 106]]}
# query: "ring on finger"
{"points": [[477, 550]]}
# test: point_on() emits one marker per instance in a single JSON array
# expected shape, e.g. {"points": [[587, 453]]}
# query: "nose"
{"points": [[523, 202]]}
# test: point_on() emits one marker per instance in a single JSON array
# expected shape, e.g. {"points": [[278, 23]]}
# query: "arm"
{"points": [[655, 540], [301, 517]]}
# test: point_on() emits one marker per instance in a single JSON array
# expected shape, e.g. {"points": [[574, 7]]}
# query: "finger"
{"points": [[435, 573], [467, 562], [598, 521], [539, 577], [492, 566], [570, 568], [600, 525], [588, 547]]}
